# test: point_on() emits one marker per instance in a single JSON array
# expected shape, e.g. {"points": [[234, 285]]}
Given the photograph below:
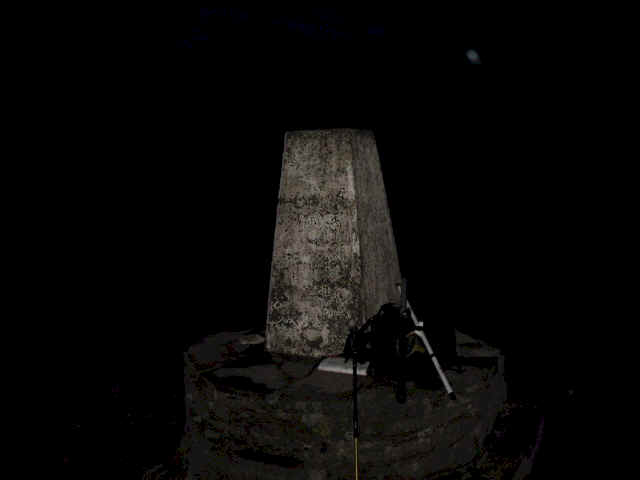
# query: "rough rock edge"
{"points": [[490, 462]]}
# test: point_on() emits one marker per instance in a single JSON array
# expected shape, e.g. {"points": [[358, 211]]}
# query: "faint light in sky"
{"points": [[474, 57]]}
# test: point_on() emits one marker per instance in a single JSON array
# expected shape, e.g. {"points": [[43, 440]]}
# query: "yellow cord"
{"points": [[356, 440]]}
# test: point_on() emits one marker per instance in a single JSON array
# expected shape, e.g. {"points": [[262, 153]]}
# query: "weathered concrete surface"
{"points": [[334, 260], [260, 415]]}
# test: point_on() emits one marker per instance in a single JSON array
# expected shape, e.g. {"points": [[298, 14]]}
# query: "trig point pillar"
{"points": [[334, 261]]}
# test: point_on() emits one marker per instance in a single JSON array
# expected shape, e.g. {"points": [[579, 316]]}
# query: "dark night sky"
{"points": [[438, 36]]}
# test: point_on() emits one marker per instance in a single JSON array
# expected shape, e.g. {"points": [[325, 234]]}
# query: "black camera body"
{"points": [[383, 342]]}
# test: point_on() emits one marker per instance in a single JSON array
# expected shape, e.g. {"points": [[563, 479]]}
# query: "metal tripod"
{"points": [[419, 331]]}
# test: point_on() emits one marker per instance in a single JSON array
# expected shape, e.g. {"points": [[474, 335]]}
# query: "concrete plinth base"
{"points": [[253, 414]]}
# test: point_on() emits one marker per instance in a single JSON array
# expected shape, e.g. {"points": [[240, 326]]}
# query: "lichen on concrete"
{"points": [[334, 259]]}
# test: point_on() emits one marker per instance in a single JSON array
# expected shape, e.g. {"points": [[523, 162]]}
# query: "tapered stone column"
{"points": [[335, 261]]}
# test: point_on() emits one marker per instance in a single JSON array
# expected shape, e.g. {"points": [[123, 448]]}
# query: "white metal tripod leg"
{"points": [[434, 359], [413, 316]]}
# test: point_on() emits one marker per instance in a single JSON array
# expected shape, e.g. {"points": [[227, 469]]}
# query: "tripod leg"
{"points": [[400, 373], [356, 422]]}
